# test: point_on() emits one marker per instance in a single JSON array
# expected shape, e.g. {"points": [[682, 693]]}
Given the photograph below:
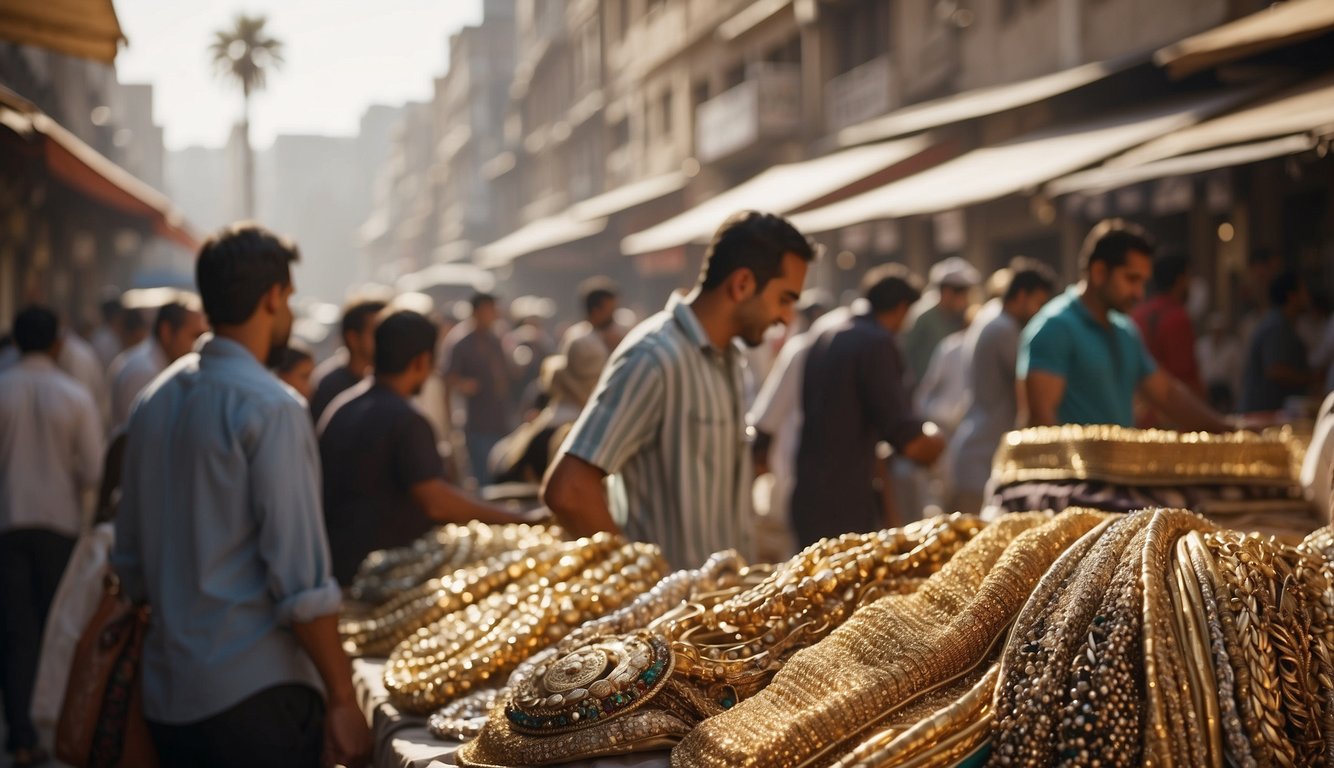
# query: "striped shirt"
{"points": [[667, 426]]}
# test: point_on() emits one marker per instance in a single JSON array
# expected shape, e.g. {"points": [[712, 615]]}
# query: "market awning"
{"points": [[781, 189], [1016, 165], [1279, 25], [1306, 108], [83, 169], [1114, 177], [84, 28], [577, 222], [981, 102]]}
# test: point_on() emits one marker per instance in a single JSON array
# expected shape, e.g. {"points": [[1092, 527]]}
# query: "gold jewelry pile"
{"points": [[1084, 639], [388, 573], [646, 690], [551, 592], [463, 718]]}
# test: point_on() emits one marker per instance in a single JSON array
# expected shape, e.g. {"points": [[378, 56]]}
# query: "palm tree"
{"points": [[243, 54]]}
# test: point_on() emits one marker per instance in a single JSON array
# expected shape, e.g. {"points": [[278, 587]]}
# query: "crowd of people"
{"points": [[247, 480]]}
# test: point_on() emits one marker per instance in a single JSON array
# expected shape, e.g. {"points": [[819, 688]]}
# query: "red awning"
{"points": [[84, 28], [74, 164]]}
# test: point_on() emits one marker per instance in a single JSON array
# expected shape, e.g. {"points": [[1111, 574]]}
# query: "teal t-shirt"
{"points": [[1102, 367]]}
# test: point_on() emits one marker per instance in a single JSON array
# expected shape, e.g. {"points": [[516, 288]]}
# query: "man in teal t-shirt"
{"points": [[1081, 359]]}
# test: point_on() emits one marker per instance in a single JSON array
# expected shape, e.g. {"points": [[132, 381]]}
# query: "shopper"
{"points": [[992, 351], [667, 420], [175, 330], [477, 368], [1276, 362], [1081, 359], [384, 482], [853, 397], [350, 364], [220, 530], [50, 454]]}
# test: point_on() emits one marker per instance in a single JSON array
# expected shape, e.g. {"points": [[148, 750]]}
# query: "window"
{"points": [[862, 32], [665, 111]]}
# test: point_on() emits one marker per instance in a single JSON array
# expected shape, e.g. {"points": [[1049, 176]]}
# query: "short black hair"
{"points": [[594, 291], [890, 286], [112, 307], [1282, 288], [755, 241], [132, 321], [400, 337], [1167, 269], [1111, 241], [237, 266], [481, 299], [357, 315], [171, 314], [36, 329], [1028, 275], [294, 354]]}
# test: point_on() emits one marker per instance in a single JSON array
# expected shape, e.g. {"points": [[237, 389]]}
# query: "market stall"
{"points": [[1078, 637]]}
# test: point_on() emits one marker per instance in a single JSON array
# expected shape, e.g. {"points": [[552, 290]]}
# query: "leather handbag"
{"points": [[101, 720]]}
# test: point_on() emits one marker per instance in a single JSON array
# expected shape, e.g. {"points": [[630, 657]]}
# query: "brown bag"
{"points": [[102, 718]]}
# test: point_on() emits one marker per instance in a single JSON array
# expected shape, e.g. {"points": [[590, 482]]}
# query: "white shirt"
{"points": [[106, 344], [132, 371], [50, 447], [78, 359]]}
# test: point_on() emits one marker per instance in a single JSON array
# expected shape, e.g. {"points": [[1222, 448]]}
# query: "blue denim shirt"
{"points": [[220, 528]]}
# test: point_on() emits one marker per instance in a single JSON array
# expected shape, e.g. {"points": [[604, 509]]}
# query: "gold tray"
{"points": [[1117, 454]]}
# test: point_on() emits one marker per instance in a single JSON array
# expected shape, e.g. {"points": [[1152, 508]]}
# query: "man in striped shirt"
{"points": [[666, 427]]}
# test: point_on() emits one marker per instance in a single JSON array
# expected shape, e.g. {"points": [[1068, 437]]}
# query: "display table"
{"points": [[403, 741]]}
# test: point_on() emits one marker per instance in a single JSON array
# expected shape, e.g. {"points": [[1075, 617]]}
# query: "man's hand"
{"points": [[347, 739]]}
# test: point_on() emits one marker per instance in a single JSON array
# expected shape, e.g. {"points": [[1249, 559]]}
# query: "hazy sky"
{"points": [[341, 56]]}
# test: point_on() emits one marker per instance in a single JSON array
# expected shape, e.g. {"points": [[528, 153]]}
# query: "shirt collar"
{"points": [[221, 348], [38, 360], [685, 317]]}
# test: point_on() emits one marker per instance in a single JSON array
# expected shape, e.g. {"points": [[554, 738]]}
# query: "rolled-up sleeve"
{"points": [[624, 414], [285, 487]]}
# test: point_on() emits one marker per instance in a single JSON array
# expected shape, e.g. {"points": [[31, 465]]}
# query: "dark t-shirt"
{"points": [[1275, 341], [852, 397], [478, 354], [331, 385], [374, 448]]}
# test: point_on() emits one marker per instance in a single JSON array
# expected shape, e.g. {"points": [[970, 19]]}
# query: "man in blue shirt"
{"points": [[221, 531], [1081, 359]]}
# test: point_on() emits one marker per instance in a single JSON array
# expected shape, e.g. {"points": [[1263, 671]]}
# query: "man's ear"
{"points": [[273, 298], [741, 285]]}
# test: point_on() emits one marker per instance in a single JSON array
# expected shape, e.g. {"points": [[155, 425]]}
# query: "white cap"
{"points": [[955, 272]]}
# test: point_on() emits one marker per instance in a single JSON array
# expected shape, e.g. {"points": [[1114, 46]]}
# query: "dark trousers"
{"points": [[31, 564], [281, 727]]}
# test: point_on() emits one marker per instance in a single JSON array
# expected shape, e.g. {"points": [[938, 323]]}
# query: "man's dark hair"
{"points": [[357, 315], [399, 338], [755, 241], [1028, 275], [1167, 269], [111, 307], [890, 286], [132, 321], [594, 291], [294, 354], [172, 315], [237, 266], [36, 329], [1111, 241], [1282, 288], [481, 299]]}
